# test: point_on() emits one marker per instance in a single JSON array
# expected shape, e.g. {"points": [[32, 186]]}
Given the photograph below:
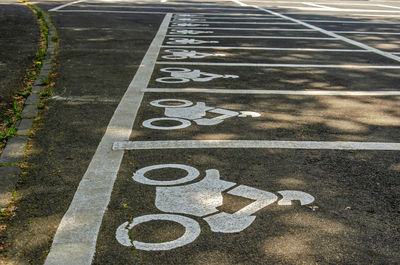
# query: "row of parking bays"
{"points": [[251, 145]]}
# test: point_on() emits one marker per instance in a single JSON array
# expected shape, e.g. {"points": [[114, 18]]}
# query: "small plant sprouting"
{"points": [[54, 39]]}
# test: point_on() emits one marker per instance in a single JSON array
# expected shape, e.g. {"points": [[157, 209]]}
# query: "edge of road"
{"points": [[14, 150]]}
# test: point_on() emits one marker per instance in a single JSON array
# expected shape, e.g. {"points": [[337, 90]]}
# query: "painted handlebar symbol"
{"points": [[200, 199]]}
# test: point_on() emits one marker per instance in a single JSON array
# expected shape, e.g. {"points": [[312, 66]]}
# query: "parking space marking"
{"points": [[253, 37], [340, 66], [334, 35], [350, 22], [394, 7], [169, 7], [246, 29], [75, 239], [265, 48], [320, 145], [239, 23], [367, 33], [342, 10], [273, 92], [65, 5]]}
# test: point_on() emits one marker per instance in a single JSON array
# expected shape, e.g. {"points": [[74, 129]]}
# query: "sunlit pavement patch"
{"points": [[352, 191]]}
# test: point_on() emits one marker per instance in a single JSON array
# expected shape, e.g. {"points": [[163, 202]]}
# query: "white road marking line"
{"points": [[239, 23], [334, 35], [394, 7], [185, 144], [350, 22], [316, 5], [265, 48], [338, 10], [367, 33], [273, 92], [241, 18], [352, 14], [340, 66], [253, 37], [75, 239], [163, 1], [246, 29], [65, 5], [169, 7], [240, 3]]}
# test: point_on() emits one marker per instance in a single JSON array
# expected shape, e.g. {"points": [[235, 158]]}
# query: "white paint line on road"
{"points": [[352, 15], [253, 37], [240, 18], [387, 6], [185, 144], [75, 239], [65, 5], [341, 10], [169, 7], [239, 23], [334, 35], [264, 48], [367, 33], [246, 29], [273, 92], [316, 5], [340, 66], [350, 22]]}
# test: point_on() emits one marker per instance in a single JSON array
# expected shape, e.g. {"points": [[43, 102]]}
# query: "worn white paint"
{"points": [[139, 176], [197, 199], [192, 231], [65, 5], [265, 48], [339, 66], [240, 220], [75, 239], [189, 25], [194, 112], [258, 37], [186, 144], [202, 199], [293, 195], [179, 54], [201, 27], [334, 35], [189, 31], [183, 75], [275, 92], [367, 33], [188, 41], [350, 22]]}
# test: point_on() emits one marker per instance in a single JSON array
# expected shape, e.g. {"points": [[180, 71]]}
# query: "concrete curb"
{"points": [[13, 152]]}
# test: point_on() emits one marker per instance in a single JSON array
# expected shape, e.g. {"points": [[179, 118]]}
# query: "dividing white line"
{"points": [[394, 7], [334, 35], [350, 22], [65, 5], [246, 29], [273, 92], [316, 5], [239, 23], [75, 239], [367, 33], [185, 144], [168, 7], [342, 66], [263, 48], [253, 37], [334, 10]]}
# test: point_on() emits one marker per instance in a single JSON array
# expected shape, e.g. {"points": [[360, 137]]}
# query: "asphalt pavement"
{"points": [[217, 132]]}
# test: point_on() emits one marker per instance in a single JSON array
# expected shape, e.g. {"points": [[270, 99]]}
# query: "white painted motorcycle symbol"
{"points": [[188, 19], [184, 75], [189, 32], [189, 41], [201, 199], [178, 54], [189, 25], [187, 112]]}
